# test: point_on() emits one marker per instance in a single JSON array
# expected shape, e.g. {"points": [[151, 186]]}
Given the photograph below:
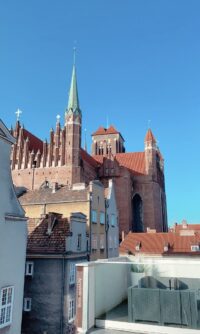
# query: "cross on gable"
{"points": [[18, 113]]}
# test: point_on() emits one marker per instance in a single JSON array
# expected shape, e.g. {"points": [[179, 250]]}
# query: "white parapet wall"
{"points": [[104, 285]]}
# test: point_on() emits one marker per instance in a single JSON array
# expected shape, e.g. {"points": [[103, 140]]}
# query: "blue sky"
{"points": [[136, 61]]}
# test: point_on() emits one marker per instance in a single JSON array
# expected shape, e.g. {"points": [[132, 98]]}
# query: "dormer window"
{"points": [[166, 247], [195, 248], [138, 246]]}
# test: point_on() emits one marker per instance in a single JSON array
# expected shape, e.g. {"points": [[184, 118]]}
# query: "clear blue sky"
{"points": [[136, 60]]}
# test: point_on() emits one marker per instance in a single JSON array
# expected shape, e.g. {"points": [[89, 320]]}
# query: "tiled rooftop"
{"points": [[153, 243], [135, 161], [45, 195], [42, 242]]}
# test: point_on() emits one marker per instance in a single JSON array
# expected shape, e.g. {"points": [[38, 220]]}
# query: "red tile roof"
{"points": [[88, 158], [40, 242], [153, 243], [135, 161], [35, 143], [185, 227], [149, 136], [104, 131]]}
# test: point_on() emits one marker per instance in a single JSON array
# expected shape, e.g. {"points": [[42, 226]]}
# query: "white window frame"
{"points": [[6, 305], [102, 218], [94, 216], [71, 310], [26, 302], [72, 273], [29, 264]]}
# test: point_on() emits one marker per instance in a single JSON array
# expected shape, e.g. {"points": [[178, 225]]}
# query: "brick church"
{"points": [[138, 176]]}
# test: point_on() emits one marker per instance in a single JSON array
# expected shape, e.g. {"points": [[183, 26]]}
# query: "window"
{"points": [[94, 242], [27, 304], [72, 273], [113, 220], [79, 242], [102, 242], [195, 248], [71, 310], [94, 216], [6, 306], [29, 268], [102, 218]]}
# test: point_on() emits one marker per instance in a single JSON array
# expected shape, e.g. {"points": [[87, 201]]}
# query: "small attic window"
{"points": [[166, 247], [138, 246], [195, 248]]}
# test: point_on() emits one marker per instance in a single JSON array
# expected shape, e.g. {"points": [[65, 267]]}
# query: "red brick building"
{"points": [[138, 176]]}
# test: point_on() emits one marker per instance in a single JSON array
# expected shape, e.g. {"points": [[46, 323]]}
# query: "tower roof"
{"points": [[104, 131], [73, 102], [149, 136]]}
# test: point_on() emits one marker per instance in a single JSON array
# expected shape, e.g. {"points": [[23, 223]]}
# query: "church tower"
{"points": [[73, 122], [150, 154]]}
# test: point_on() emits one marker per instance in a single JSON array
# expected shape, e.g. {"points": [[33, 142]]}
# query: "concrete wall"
{"points": [[110, 286]]}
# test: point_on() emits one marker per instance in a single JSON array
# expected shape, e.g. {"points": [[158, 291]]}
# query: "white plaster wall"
{"points": [[13, 236], [8, 201], [110, 286]]}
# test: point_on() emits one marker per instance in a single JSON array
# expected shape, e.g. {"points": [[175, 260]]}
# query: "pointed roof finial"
{"points": [[58, 119], [74, 53], [73, 101], [18, 113], [149, 123]]}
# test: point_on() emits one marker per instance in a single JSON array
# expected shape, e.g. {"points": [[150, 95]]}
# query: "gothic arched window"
{"points": [[137, 210]]}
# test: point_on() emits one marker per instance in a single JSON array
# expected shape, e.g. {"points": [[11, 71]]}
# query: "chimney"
{"points": [[54, 187]]}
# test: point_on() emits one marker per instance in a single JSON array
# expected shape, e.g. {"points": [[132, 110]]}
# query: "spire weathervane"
{"points": [[149, 122], [74, 53], [18, 113]]}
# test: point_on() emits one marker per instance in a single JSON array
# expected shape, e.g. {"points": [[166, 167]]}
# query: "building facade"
{"points": [[55, 246], [138, 176], [91, 200], [13, 238]]}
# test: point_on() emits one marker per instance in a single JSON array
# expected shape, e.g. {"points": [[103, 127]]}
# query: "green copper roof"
{"points": [[73, 102]]}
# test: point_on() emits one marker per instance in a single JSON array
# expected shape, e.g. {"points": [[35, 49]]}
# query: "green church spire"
{"points": [[73, 102]]}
